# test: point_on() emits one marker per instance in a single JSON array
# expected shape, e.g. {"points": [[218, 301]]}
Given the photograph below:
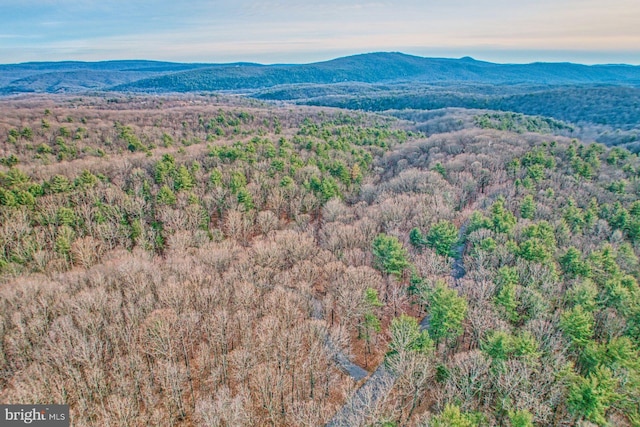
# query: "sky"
{"points": [[301, 31]]}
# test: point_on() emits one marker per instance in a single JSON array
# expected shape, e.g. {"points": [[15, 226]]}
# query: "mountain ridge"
{"points": [[376, 67]]}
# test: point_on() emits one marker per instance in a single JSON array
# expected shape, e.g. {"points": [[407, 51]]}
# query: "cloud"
{"points": [[246, 30]]}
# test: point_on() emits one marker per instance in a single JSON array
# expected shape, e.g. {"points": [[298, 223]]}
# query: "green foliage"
{"points": [[128, 136], [59, 184], [620, 355], [440, 169], [277, 165], [574, 216], [621, 292], [44, 149], [26, 133], [582, 169], [498, 345], [573, 265], [389, 255], [543, 232], [282, 186], [25, 198], [328, 189], [584, 294], [617, 155], [183, 180], [528, 207], [603, 264], [617, 187], [502, 221], [66, 216], [502, 346], [371, 322], [577, 324], [506, 300], [167, 140], [237, 182], [64, 240], [287, 182], [407, 337], [15, 179], [534, 250], [452, 416], [515, 122], [245, 199], [447, 311], [86, 180], [488, 245], [416, 239], [478, 221], [166, 196], [522, 418], [536, 173], [592, 396], [7, 198], [164, 169], [215, 179], [619, 217], [371, 298], [442, 237], [540, 243], [537, 156], [10, 161], [506, 276]]}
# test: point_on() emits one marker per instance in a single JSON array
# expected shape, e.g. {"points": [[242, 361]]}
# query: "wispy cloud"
{"points": [[299, 30]]}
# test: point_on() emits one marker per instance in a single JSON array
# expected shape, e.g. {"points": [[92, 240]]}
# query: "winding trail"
{"points": [[353, 370], [457, 270], [354, 412]]}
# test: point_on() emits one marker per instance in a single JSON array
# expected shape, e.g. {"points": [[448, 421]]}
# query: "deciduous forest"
{"points": [[216, 260]]}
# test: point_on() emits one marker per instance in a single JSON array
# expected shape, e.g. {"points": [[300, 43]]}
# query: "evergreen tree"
{"points": [[447, 310], [527, 207], [442, 237], [502, 221], [389, 255], [183, 179], [577, 324], [592, 396], [166, 196]]}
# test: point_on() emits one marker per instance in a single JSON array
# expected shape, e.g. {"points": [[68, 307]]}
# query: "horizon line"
{"points": [[249, 62]]}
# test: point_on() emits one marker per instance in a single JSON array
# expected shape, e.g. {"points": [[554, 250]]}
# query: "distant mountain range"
{"points": [[372, 68]]}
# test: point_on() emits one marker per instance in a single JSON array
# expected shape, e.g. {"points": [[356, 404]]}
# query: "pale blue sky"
{"points": [[294, 31]]}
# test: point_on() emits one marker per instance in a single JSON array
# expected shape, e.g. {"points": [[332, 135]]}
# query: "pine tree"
{"points": [[442, 237], [578, 325], [389, 255], [528, 207], [447, 311]]}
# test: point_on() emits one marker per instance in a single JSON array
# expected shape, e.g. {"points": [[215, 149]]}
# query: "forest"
{"points": [[203, 259], [607, 114], [598, 102]]}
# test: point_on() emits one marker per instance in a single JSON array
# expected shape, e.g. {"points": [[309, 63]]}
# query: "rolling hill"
{"points": [[153, 76]]}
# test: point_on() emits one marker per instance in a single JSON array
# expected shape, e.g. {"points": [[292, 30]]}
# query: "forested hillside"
{"points": [[204, 260], [380, 67], [607, 114], [601, 102]]}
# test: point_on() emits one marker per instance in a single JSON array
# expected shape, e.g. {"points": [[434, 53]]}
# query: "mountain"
{"points": [[76, 76], [384, 67]]}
